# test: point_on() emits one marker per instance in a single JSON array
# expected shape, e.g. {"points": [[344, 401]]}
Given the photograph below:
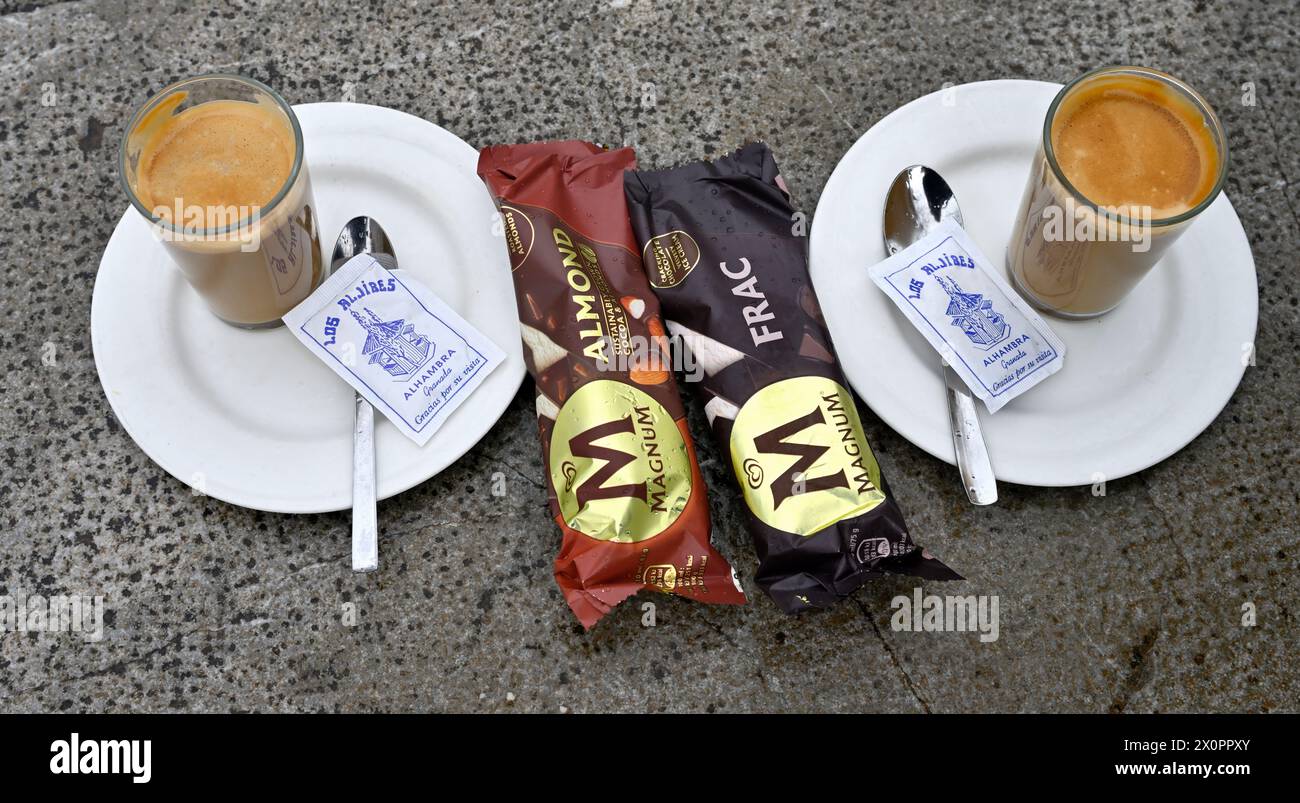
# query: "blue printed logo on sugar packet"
{"points": [[991, 349], [395, 346], [408, 359], [974, 315]]}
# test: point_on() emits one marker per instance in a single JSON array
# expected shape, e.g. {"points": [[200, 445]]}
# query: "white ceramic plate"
{"points": [[253, 418], [1138, 384]]}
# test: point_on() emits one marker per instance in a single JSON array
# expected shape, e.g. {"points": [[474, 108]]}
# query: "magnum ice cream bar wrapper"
{"points": [[624, 485], [719, 247]]}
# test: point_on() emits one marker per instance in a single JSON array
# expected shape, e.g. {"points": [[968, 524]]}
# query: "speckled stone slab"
{"points": [[1131, 601]]}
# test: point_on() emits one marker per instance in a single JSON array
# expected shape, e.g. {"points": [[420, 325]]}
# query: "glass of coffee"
{"points": [[215, 164], [1129, 157]]}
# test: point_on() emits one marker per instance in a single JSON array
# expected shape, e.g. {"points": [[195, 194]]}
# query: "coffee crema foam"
{"points": [[215, 156], [1128, 142]]}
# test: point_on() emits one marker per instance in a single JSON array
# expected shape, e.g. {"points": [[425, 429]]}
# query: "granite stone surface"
{"points": [[1132, 601]]}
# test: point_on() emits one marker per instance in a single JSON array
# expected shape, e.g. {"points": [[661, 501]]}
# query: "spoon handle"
{"points": [[365, 522], [968, 442]]}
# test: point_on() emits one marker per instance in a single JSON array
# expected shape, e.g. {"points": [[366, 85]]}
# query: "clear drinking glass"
{"points": [[250, 263], [1064, 270]]}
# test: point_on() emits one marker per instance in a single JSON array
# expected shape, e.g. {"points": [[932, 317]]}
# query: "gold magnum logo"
{"points": [[584, 445], [821, 469], [795, 478], [619, 464]]}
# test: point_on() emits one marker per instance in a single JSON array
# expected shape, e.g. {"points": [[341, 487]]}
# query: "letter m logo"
{"points": [[584, 445], [774, 442]]}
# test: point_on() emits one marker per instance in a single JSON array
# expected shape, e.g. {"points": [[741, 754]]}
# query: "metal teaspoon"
{"points": [[918, 201], [362, 235]]}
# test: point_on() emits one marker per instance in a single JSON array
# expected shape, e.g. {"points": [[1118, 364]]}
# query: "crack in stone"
{"points": [[717, 628], [907, 679], [118, 667], [1140, 671], [835, 112], [498, 459], [27, 8], [1277, 162], [1169, 536]]}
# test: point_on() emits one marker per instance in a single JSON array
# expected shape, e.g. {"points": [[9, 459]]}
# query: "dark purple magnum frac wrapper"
{"points": [[719, 248]]}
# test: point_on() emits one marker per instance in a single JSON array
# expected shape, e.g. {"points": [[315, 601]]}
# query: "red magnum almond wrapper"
{"points": [[719, 247], [621, 471]]}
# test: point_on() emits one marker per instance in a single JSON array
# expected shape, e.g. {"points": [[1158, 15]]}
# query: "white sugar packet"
{"points": [[981, 327], [396, 343]]}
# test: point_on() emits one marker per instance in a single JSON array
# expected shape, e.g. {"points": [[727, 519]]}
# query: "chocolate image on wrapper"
{"points": [[718, 246], [622, 477]]}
